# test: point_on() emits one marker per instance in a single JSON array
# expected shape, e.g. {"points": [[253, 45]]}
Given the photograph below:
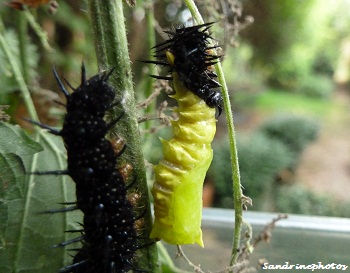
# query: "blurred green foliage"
{"points": [[300, 200], [316, 86], [269, 40], [260, 161], [268, 159], [277, 101], [294, 43], [294, 132], [7, 82], [68, 35], [273, 149]]}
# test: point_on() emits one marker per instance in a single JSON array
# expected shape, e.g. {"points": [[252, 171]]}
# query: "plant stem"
{"points": [[151, 41], [18, 75], [108, 26], [23, 42], [42, 35], [237, 188], [194, 11]]}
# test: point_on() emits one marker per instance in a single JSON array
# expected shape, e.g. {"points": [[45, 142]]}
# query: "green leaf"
{"points": [[12, 170], [26, 234], [14, 140]]}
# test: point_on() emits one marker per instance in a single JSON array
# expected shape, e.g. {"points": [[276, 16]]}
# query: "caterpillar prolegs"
{"points": [[179, 176]]}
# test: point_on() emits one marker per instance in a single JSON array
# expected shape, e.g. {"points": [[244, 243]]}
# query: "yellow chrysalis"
{"points": [[179, 176]]}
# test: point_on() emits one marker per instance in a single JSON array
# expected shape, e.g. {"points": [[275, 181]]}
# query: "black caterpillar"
{"points": [[193, 58], [108, 234]]}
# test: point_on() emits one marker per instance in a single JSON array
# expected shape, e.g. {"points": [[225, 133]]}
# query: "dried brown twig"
{"points": [[197, 268], [265, 234], [229, 13]]}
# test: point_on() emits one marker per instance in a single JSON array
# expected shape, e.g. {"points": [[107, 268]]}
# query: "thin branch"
{"points": [[180, 253], [42, 35], [265, 234]]}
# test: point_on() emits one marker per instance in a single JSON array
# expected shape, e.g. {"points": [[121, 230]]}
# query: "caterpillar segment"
{"points": [[179, 176]]}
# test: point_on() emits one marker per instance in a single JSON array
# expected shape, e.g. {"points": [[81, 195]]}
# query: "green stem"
{"points": [[168, 265], [237, 188], [194, 11], [109, 32], [42, 35], [23, 42], [151, 41]]}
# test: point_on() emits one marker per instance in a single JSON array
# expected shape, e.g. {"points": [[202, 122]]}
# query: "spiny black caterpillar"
{"points": [[108, 234], [193, 59]]}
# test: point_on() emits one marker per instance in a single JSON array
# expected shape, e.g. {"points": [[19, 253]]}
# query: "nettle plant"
{"points": [[97, 173]]}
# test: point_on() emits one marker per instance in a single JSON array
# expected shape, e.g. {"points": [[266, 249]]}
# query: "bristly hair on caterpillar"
{"points": [[108, 234], [193, 60]]}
